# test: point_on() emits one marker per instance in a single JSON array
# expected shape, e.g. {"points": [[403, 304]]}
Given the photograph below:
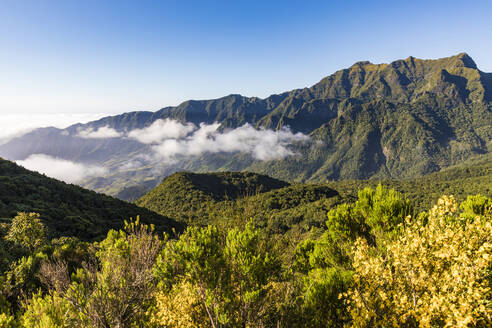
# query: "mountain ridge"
{"points": [[403, 119]]}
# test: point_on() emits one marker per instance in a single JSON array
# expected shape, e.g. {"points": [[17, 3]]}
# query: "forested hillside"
{"points": [[68, 210], [372, 261], [381, 217], [472, 177], [188, 197]]}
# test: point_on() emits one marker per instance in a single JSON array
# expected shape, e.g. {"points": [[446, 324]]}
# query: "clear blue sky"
{"points": [[116, 56]]}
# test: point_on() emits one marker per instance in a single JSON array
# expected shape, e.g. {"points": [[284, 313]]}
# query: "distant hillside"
{"points": [[68, 210], [184, 195], [298, 208], [227, 199], [472, 177], [399, 120]]}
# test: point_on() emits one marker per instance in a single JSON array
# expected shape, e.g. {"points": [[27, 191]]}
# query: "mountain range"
{"points": [[400, 120]]}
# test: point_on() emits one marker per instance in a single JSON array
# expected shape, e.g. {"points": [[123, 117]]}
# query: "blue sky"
{"points": [[117, 56]]}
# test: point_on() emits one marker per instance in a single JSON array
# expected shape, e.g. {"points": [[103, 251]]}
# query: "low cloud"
{"points": [[61, 169], [103, 132], [162, 130], [172, 140]]}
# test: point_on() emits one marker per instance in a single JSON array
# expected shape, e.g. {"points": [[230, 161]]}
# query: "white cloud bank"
{"points": [[162, 130], [171, 140], [103, 132], [61, 169]]}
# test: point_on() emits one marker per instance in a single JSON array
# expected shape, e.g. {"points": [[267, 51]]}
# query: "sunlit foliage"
{"points": [[374, 263], [437, 273], [27, 230]]}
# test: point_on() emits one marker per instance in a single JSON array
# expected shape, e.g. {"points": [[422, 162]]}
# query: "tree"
{"points": [[435, 274], [197, 258], [325, 265], [322, 306], [230, 277], [251, 269], [375, 216], [27, 230]]}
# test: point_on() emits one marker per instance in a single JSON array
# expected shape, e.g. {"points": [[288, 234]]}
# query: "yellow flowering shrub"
{"points": [[180, 308], [437, 273]]}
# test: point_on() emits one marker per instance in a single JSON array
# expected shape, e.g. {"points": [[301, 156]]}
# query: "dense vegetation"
{"points": [[377, 264], [185, 194], [68, 210], [298, 209], [471, 177], [399, 120]]}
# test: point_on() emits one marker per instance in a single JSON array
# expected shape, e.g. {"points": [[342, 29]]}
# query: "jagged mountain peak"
{"points": [[406, 80], [465, 60]]}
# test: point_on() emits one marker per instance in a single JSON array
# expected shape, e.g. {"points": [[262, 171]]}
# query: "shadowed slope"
{"points": [[68, 210]]}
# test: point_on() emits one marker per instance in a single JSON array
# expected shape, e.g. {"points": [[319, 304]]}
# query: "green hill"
{"points": [[184, 195], [68, 210], [472, 177], [228, 198]]}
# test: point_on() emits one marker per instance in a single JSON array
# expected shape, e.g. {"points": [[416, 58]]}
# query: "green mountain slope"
{"points": [[228, 199], [184, 195], [472, 177], [222, 198], [68, 210], [399, 120]]}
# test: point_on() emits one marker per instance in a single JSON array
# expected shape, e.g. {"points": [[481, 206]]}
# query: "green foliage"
{"points": [[251, 267], [288, 213], [22, 279], [322, 305], [375, 215], [230, 276], [324, 265], [382, 209], [68, 210], [293, 213], [48, 311], [27, 230], [113, 289], [285, 256], [472, 177], [185, 196], [476, 205]]}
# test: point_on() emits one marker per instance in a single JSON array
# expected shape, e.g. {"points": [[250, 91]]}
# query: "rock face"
{"points": [[402, 119]]}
